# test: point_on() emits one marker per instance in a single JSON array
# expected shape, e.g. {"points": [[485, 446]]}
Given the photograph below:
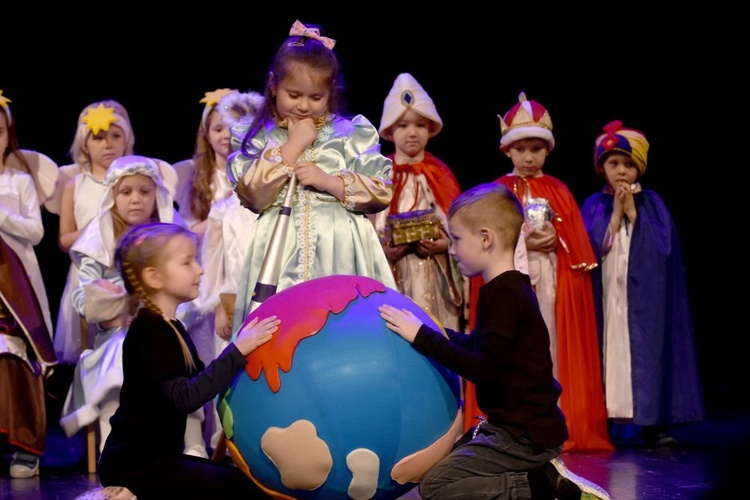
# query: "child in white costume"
{"points": [[203, 181], [20, 216], [423, 269], [103, 134], [224, 232], [133, 194]]}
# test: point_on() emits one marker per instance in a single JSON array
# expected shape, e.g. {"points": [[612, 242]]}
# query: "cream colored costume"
{"points": [[434, 282], [87, 193], [98, 374]]}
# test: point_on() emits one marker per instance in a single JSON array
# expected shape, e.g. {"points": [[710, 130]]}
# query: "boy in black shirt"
{"points": [[515, 452]]}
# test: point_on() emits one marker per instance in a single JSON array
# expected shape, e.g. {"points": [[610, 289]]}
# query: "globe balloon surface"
{"points": [[336, 405]]}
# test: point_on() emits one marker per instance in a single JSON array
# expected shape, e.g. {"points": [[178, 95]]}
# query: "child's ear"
{"points": [[487, 237], [505, 151], [152, 278], [272, 82]]}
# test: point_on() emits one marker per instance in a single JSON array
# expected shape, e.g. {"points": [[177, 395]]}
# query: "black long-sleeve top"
{"points": [[158, 391], [507, 357]]}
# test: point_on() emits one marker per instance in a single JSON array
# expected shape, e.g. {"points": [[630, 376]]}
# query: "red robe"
{"points": [[578, 363]]}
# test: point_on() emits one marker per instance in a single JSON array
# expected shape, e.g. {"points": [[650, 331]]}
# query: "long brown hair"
{"points": [[13, 147]]}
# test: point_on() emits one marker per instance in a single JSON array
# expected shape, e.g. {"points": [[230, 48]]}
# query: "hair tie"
{"points": [[299, 29], [139, 240]]}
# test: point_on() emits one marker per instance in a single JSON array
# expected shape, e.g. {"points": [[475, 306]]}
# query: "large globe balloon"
{"points": [[336, 405]]}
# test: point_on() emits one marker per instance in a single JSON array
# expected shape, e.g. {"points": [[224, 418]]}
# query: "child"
{"points": [[515, 452], [134, 194], [423, 269], [164, 379], [42, 169], [20, 216], [208, 183], [103, 134], [203, 179], [341, 174], [560, 259], [26, 358], [26, 351], [648, 345], [208, 187]]}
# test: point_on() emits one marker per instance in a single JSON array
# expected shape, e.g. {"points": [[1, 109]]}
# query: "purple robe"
{"points": [[666, 384]]}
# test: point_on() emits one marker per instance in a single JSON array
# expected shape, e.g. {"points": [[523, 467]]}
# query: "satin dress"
{"points": [[325, 236]]}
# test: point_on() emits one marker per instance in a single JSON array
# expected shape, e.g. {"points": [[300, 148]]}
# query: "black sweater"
{"points": [[158, 391], [507, 357]]}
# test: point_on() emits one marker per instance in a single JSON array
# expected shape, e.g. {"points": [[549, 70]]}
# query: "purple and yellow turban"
{"points": [[617, 139]]}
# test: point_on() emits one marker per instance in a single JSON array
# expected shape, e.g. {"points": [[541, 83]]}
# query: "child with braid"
{"points": [[164, 379], [133, 194]]}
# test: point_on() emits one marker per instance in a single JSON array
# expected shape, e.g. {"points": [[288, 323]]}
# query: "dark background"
{"points": [[669, 75]]}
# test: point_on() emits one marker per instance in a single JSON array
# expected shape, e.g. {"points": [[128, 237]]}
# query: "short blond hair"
{"points": [[490, 205]]}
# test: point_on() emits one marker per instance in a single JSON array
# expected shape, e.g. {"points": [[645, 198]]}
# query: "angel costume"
{"points": [[98, 373], [197, 319], [325, 236], [87, 194]]}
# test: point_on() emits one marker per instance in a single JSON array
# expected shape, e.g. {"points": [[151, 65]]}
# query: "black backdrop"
{"points": [[665, 76]]}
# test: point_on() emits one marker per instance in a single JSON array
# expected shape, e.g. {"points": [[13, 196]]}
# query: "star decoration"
{"points": [[212, 98], [4, 100], [99, 118]]}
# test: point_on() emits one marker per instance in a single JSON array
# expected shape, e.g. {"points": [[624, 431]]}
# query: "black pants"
{"points": [[182, 477]]}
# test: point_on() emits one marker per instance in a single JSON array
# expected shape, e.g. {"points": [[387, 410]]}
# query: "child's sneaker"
{"points": [[588, 489], [24, 465]]}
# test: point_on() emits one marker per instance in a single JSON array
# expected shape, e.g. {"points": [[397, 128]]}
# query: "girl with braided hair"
{"points": [[134, 193], [164, 379]]}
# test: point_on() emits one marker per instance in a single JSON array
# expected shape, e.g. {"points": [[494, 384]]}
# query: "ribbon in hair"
{"points": [[299, 29]]}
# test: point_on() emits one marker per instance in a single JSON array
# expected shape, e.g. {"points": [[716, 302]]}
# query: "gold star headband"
{"points": [[99, 118], [4, 103], [211, 99]]}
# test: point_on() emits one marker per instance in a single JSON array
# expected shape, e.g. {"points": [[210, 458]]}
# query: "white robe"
{"points": [[21, 227]]}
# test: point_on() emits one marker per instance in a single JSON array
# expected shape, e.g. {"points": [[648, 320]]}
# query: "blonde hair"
{"points": [[490, 205], [78, 149], [142, 247]]}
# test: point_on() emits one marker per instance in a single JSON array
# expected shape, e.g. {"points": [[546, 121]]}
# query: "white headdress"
{"points": [[98, 239], [407, 93]]}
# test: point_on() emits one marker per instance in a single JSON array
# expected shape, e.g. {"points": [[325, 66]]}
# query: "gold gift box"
{"points": [[409, 227]]}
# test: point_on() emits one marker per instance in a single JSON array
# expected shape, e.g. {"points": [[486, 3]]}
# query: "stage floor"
{"points": [[705, 465]]}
